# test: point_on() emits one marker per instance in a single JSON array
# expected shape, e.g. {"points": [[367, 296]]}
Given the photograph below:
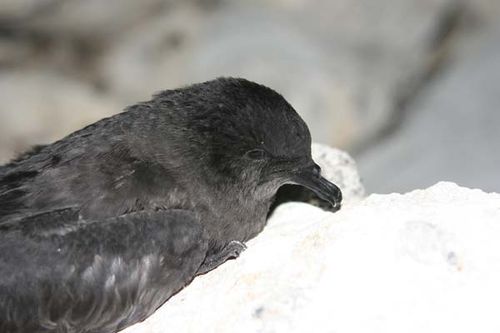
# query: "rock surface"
{"points": [[425, 261], [338, 167]]}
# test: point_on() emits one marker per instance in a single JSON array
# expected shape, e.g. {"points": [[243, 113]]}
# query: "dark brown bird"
{"points": [[97, 230]]}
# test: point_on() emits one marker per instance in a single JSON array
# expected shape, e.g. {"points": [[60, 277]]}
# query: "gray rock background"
{"points": [[451, 131], [409, 87]]}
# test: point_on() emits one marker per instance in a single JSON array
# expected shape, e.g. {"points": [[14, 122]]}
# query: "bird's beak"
{"points": [[311, 178]]}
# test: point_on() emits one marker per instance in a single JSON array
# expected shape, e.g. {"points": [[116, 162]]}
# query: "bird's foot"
{"points": [[231, 251]]}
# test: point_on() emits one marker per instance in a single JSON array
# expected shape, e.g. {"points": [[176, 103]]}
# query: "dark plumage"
{"points": [[100, 228]]}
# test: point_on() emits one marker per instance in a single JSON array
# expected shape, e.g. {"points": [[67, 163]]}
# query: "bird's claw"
{"points": [[233, 249]]}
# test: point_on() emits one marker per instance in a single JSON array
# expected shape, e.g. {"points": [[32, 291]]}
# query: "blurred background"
{"points": [[411, 88]]}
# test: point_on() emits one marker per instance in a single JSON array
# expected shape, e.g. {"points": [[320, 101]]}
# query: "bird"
{"points": [[100, 228]]}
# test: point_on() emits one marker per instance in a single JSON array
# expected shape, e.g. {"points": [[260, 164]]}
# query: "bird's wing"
{"points": [[51, 222], [101, 184], [12, 190], [65, 273]]}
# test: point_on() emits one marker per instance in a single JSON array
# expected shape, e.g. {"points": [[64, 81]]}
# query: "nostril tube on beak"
{"points": [[316, 171], [310, 177]]}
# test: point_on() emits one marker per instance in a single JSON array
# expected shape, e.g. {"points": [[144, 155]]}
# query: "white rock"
{"points": [[426, 261], [338, 167]]}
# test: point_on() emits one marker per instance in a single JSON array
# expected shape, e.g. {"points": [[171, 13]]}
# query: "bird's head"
{"points": [[248, 134]]}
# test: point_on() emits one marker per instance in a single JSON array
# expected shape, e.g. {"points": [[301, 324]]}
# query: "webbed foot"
{"points": [[231, 251]]}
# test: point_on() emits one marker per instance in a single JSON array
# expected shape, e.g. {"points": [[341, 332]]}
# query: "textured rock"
{"points": [[338, 167], [426, 261]]}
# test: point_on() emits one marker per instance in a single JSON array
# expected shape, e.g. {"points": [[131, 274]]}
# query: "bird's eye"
{"points": [[256, 154]]}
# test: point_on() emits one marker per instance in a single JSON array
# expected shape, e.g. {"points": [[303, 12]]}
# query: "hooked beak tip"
{"points": [[323, 188]]}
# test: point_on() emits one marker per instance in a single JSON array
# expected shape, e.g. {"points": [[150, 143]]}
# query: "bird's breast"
{"points": [[240, 223]]}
